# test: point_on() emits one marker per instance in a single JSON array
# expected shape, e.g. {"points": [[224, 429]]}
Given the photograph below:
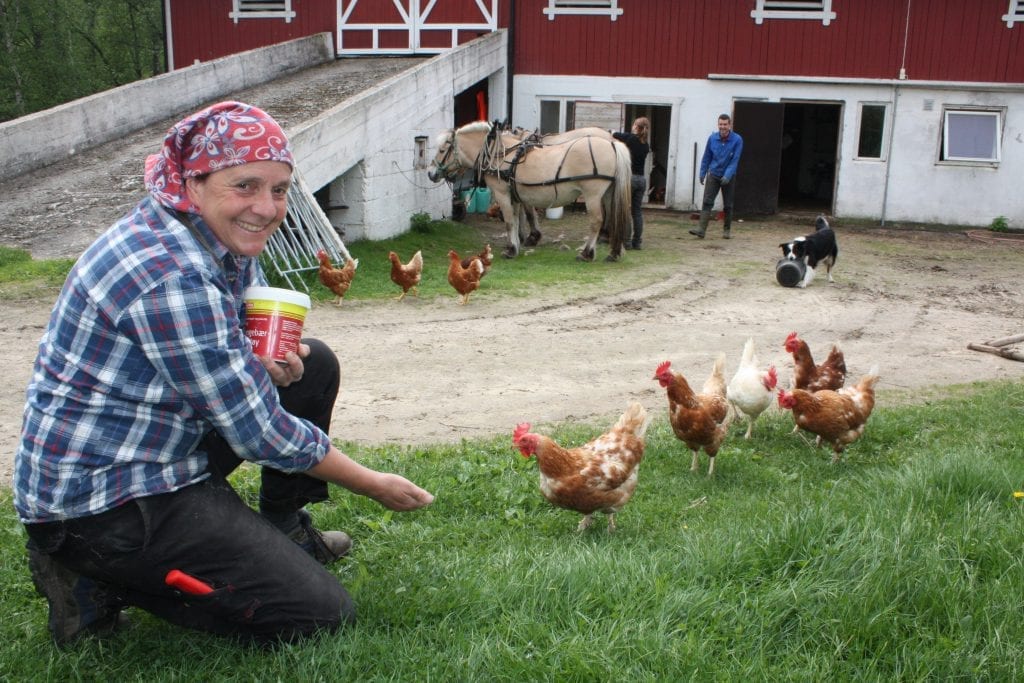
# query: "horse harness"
{"points": [[508, 174]]}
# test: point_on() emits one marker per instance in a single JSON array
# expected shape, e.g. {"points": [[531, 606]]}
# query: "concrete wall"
{"points": [[32, 141], [910, 185], [378, 129]]}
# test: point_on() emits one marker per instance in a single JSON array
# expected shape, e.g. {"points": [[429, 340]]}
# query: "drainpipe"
{"points": [[892, 147], [509, 59], [892, 119]]}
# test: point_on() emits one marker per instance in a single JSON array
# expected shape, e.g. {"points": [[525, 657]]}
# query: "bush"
{"points": [[420, 222], [999, 224]]}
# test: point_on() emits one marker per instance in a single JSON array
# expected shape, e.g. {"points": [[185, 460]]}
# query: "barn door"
{"points": [[757, 180], [392, 27]]}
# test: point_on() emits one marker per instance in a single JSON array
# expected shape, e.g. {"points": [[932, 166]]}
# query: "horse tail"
{"points": [[619, 218]]}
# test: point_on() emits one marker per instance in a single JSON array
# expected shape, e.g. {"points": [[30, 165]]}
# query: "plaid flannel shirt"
{"points": [[144, 353]]}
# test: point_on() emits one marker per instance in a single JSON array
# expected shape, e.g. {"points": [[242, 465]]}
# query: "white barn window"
{"points": [[262, 9], [607, 8], [1014, 15], [817, 10], [971, 135]]}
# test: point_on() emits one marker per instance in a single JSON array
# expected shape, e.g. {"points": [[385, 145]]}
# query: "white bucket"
{"points": [[554, 213], [274, 319]]}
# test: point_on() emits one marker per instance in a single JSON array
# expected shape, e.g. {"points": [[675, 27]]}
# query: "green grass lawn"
{"points": [[902, 562]]}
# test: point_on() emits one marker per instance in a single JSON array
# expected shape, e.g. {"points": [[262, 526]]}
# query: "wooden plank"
{"points": [[1005, 353], [1006, 340]]}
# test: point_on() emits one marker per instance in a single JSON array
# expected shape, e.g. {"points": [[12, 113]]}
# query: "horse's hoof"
{"points": [[532, 240], [510, 252], [586, 255], [612, 258]]}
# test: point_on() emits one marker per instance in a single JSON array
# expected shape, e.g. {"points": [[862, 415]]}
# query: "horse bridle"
{"points": [[443, 166]]}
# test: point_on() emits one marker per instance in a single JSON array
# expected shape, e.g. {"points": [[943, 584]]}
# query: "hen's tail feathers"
{"points": [[417, 259], [749, 357], [869, 380], [719, 369], [634, 419], [715, 383]]}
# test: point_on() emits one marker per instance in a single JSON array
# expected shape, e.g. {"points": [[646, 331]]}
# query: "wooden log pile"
{"points": [[999, 347]]}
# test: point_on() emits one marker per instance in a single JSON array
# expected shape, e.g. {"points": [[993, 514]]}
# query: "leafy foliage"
{"points": [[55, 51], [1000, 224]]}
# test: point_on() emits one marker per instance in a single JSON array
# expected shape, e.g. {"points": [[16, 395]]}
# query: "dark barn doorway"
{"points": [[790, 156], [660, 117], [471, 104]]}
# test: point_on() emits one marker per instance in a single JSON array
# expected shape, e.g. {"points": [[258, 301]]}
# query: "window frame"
{"points": [[883, 153], [1014, 13], [566, 112], [596, 8], [816, 10], [996, 113], [284, 10]]}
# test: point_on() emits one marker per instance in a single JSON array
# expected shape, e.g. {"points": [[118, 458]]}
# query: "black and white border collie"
{"points": [[818, 247]]}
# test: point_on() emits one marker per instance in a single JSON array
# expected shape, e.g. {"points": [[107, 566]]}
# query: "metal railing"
{"points": [[305, 230]]}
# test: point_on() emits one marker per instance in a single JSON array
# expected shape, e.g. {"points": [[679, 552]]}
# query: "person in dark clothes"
{"points": [[638, 142]]}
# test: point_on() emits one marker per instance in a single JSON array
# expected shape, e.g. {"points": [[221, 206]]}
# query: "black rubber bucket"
{"points": [[790, 273]]}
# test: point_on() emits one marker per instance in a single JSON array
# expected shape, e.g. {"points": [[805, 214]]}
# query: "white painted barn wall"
{"points": [[919, 188]]}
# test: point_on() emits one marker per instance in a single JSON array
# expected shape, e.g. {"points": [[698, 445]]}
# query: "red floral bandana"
{"points": [[226, 134]]}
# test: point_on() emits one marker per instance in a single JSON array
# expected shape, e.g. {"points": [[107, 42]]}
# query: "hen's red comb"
{"points": [[663, 367], [791, 337], [521, 429]]}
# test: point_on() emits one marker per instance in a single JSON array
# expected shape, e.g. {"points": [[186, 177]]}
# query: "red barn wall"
{"points": [[947, 40], [201, 30]]}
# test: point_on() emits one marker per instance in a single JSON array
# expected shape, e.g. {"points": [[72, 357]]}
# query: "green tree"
{"points": [[55, 51]]}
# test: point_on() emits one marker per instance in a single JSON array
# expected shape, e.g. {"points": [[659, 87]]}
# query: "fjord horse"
{"points": [[538, 174]]}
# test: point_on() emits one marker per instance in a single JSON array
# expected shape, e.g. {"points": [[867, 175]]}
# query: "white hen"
{"points": [[751, 389]]}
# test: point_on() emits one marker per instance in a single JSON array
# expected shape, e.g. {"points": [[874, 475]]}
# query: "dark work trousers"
{"points": [[266, 588], [638, 183], [712, 184]]}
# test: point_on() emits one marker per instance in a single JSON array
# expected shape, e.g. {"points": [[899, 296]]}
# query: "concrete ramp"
{"points": [[33, 141]]}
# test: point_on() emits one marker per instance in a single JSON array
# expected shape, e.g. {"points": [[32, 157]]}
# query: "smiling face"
{"points": [[724, 126], [243, 205]]}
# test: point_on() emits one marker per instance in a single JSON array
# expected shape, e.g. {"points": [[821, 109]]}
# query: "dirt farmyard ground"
{"points": [[428, 370]]}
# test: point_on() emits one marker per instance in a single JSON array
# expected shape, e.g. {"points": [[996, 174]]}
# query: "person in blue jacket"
{"points": [[718, 172]]}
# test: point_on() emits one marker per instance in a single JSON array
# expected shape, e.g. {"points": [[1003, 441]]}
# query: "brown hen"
{"points": [[698, 420], [486, 256], [837, 417], [407, 276], [464, 280], [831, 374], [599, 476], [337, 280]]}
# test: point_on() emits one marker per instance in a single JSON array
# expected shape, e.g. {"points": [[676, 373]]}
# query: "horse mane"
{"points": [[442, 138], [476, 127]]}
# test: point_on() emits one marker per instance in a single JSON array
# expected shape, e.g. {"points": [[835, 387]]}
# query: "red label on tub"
{"points": [[272, 332]]}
